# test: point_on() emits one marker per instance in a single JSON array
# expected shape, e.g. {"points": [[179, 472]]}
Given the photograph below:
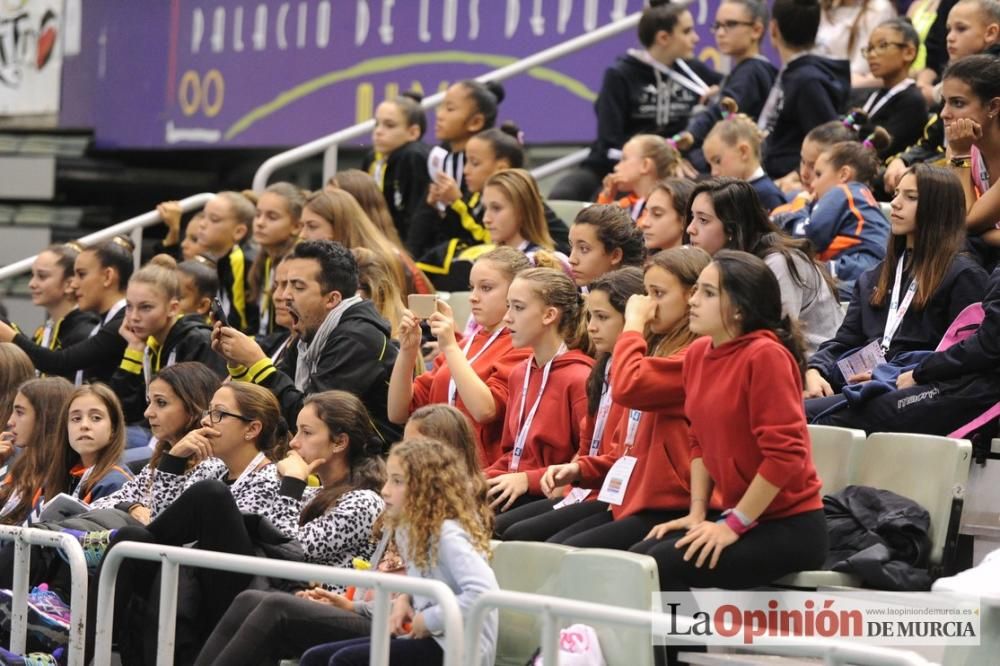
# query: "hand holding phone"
{"points": [[422, 305], [218, 313]]}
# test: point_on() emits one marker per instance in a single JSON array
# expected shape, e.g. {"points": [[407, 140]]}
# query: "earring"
{"points": [[246, 437]]}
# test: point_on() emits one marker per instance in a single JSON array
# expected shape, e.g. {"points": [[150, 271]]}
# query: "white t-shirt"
{"points": [[835, 31]]}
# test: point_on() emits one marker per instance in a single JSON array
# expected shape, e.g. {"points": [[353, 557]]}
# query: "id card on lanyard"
{"points": [[872, 106], [616, 482], [897, 310], [452, 389], [577, 495], [524, 423]]}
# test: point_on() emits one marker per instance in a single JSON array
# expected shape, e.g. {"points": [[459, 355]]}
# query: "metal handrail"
{"points": [[24, 538], [553, 609], [172, 557], [132, 226], [332, 141]]}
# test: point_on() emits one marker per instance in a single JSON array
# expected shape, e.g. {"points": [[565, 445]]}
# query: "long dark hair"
{"points": [[619, 285], [66, 458], [194, 385], [257, 403], [48, 397], [749, 229], [750, 289], [344, 414], [938, 238]]}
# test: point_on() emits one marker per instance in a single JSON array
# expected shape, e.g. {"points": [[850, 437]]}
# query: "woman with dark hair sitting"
{"points": [[725, 213]]}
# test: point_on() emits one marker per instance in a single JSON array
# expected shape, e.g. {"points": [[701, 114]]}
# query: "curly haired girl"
{"points": [[442, 536]]}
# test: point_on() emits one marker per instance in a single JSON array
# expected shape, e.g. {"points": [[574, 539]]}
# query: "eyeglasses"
{"points": [[215, 415], [881, 47], [729, 25]]}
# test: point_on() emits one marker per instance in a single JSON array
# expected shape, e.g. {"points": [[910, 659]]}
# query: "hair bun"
{"points": [[124, 242], [497, 89], [373, 447], [163, 260], [415, 95], [281, 428]]}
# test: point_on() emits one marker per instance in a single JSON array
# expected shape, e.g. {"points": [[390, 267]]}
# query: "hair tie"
{"points": [[520, 137], [868, 143], [74, 245], [851, 121], [672, 141], [122, 243]]}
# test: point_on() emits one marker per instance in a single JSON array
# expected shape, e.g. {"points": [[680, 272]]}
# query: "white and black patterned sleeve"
{"points": [[344, 531], [286, 507], [172, 478], [259, 491], [134, 491]]}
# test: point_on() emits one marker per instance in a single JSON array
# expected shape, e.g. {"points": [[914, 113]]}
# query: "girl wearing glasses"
{"points": [[845, 26], [898, 105], [739, 27]]}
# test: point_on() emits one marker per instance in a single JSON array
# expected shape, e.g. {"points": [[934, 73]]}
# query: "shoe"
{"points": [[95, 544], [48, 617], [8, 658]]}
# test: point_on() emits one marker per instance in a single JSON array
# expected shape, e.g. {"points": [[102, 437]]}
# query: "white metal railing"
{"points": [[330, 142], [24, 538], [553, 610], [172, 557], [132, 226]]}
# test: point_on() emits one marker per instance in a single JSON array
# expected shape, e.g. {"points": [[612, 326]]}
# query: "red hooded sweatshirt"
{"points": [[493, 367], [555, 431], [744, 403], [661, 478]]}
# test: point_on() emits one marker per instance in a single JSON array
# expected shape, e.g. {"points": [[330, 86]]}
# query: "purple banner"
{"points": [[226, 73]]}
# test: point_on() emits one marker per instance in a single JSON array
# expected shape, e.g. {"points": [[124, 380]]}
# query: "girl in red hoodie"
{"points": [[652, 441], [606, 317], [548, 395], [469, 374], [748, 440]]}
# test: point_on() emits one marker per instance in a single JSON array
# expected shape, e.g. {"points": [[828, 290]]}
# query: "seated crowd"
{"points": [[263, 385]]}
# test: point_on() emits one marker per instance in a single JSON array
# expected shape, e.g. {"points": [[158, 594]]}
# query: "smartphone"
{"points": [[422, 305], [218, 313]]}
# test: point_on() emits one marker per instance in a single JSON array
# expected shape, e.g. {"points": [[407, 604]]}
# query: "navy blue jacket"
{"points": [[748, 85], [814, 90]]}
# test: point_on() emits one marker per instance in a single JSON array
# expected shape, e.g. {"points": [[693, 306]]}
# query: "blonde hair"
{"points": [[665, 157], [555, 289], [353, 228], [295, 201], [437, 489], [507, 260], [364, 189], [735, 127], [162, 274], [520, 189], [375, 277]]}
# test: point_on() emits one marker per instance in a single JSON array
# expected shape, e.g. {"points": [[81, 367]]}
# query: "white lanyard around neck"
{"points": [[689, 79], [112, 313], [603, 409], [247, 472], [898, 310], [452, 389], [147, 363], [872, 107], [524, 424]]}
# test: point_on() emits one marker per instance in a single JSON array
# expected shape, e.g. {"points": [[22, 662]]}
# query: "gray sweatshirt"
{"points": [[814, 305]]}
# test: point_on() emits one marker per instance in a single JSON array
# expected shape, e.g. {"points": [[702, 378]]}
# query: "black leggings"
{"points": [[769, 551], [539, 520], [402, 652], [205, 513], [264, 627], [601, 531]]}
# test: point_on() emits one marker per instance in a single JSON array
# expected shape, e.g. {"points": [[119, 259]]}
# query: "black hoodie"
{"points": [[97, 355], [636, 99], [404, 182], [812, 90], [358, 357], [189, 339]]}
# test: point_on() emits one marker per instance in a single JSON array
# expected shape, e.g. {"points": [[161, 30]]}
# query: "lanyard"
{"points": [[112, 313], [83, 479], [897, 310], [524, 424], [872, 107], [245, 474], [465, 352], [603, 409], [281, 349], [689, 79], [147, 362], [634, 418]]}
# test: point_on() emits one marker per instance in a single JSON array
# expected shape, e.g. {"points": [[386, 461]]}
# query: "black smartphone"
{"points": [[218, 314]]}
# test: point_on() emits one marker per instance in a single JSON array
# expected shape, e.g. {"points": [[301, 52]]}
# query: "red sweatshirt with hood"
{"points": [[744, 403], [555, 432], [661, 478], [493, 367]]}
